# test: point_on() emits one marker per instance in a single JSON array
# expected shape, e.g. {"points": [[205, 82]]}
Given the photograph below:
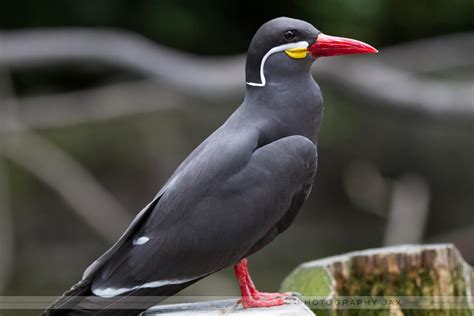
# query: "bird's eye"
{"points": [[289, 35]]}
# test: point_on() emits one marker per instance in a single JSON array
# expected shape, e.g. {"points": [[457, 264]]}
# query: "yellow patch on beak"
{"points": [[299, 52]]}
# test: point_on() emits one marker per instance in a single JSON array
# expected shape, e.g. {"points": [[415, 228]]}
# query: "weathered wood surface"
{"points": [[228, 307], [435, 272]]}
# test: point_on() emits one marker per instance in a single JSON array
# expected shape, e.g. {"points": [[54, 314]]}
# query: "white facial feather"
{"points": [[277, 49]]}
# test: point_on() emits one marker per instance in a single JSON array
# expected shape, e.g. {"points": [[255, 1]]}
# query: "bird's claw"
{"points": [[270, 296], [251, 302], [295, 295], [293, 298]]}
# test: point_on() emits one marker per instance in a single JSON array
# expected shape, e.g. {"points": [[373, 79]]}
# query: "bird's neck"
{"points": [[280, 109]]}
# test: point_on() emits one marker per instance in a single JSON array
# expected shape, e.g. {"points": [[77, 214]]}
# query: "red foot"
{"points": [[250, 302], [271, 296], [251, 297]]}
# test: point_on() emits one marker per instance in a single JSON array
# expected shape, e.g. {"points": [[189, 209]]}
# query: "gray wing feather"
{"points": [[201, 225], [140, 218]]}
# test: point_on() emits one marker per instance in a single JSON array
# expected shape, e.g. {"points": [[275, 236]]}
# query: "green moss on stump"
{"points": [[314, 282], [405, 271]]}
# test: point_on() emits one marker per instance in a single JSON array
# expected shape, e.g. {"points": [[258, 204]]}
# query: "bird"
{"points": [[234, 193]]}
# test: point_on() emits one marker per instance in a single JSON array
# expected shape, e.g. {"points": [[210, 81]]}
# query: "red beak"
{"points": [[326, 45]]}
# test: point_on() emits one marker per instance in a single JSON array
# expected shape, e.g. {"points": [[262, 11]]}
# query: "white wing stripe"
{"points": [[111, 292]]}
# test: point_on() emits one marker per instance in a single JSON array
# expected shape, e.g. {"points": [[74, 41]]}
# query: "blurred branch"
{"points": [[371, 79], [434, 54], [403, 201], [379, 85], [24, 49], [408, 211], [366, 187], [60, 171], [66, 176], [7, 249], [98, 104], [7, 237]]}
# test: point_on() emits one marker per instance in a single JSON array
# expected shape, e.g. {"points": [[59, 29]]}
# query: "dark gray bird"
{"points": [[234, 193]]}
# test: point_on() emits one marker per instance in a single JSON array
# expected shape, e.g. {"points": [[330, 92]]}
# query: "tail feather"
{"points": [[80, 301], [68, 299]]}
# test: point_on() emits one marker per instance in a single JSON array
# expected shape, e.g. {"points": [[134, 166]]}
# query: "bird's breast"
{"points": [[285, 109]]}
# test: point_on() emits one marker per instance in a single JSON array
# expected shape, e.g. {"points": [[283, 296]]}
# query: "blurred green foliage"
{"points": [[222, 27]]}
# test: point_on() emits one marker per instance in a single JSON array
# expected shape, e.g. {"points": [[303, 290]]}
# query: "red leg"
{"points": [[251, 297]]}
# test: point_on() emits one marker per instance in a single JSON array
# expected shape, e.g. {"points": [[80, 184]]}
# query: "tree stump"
{"points": [[403, 280]]}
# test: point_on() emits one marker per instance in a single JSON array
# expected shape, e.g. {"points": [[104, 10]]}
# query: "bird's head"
{"points": [[286, 47]]}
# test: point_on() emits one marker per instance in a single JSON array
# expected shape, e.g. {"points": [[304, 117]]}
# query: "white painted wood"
{"points": [[228, 307]]}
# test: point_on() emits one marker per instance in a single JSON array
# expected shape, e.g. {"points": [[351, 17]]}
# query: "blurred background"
{"points": [[101, 100]]}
